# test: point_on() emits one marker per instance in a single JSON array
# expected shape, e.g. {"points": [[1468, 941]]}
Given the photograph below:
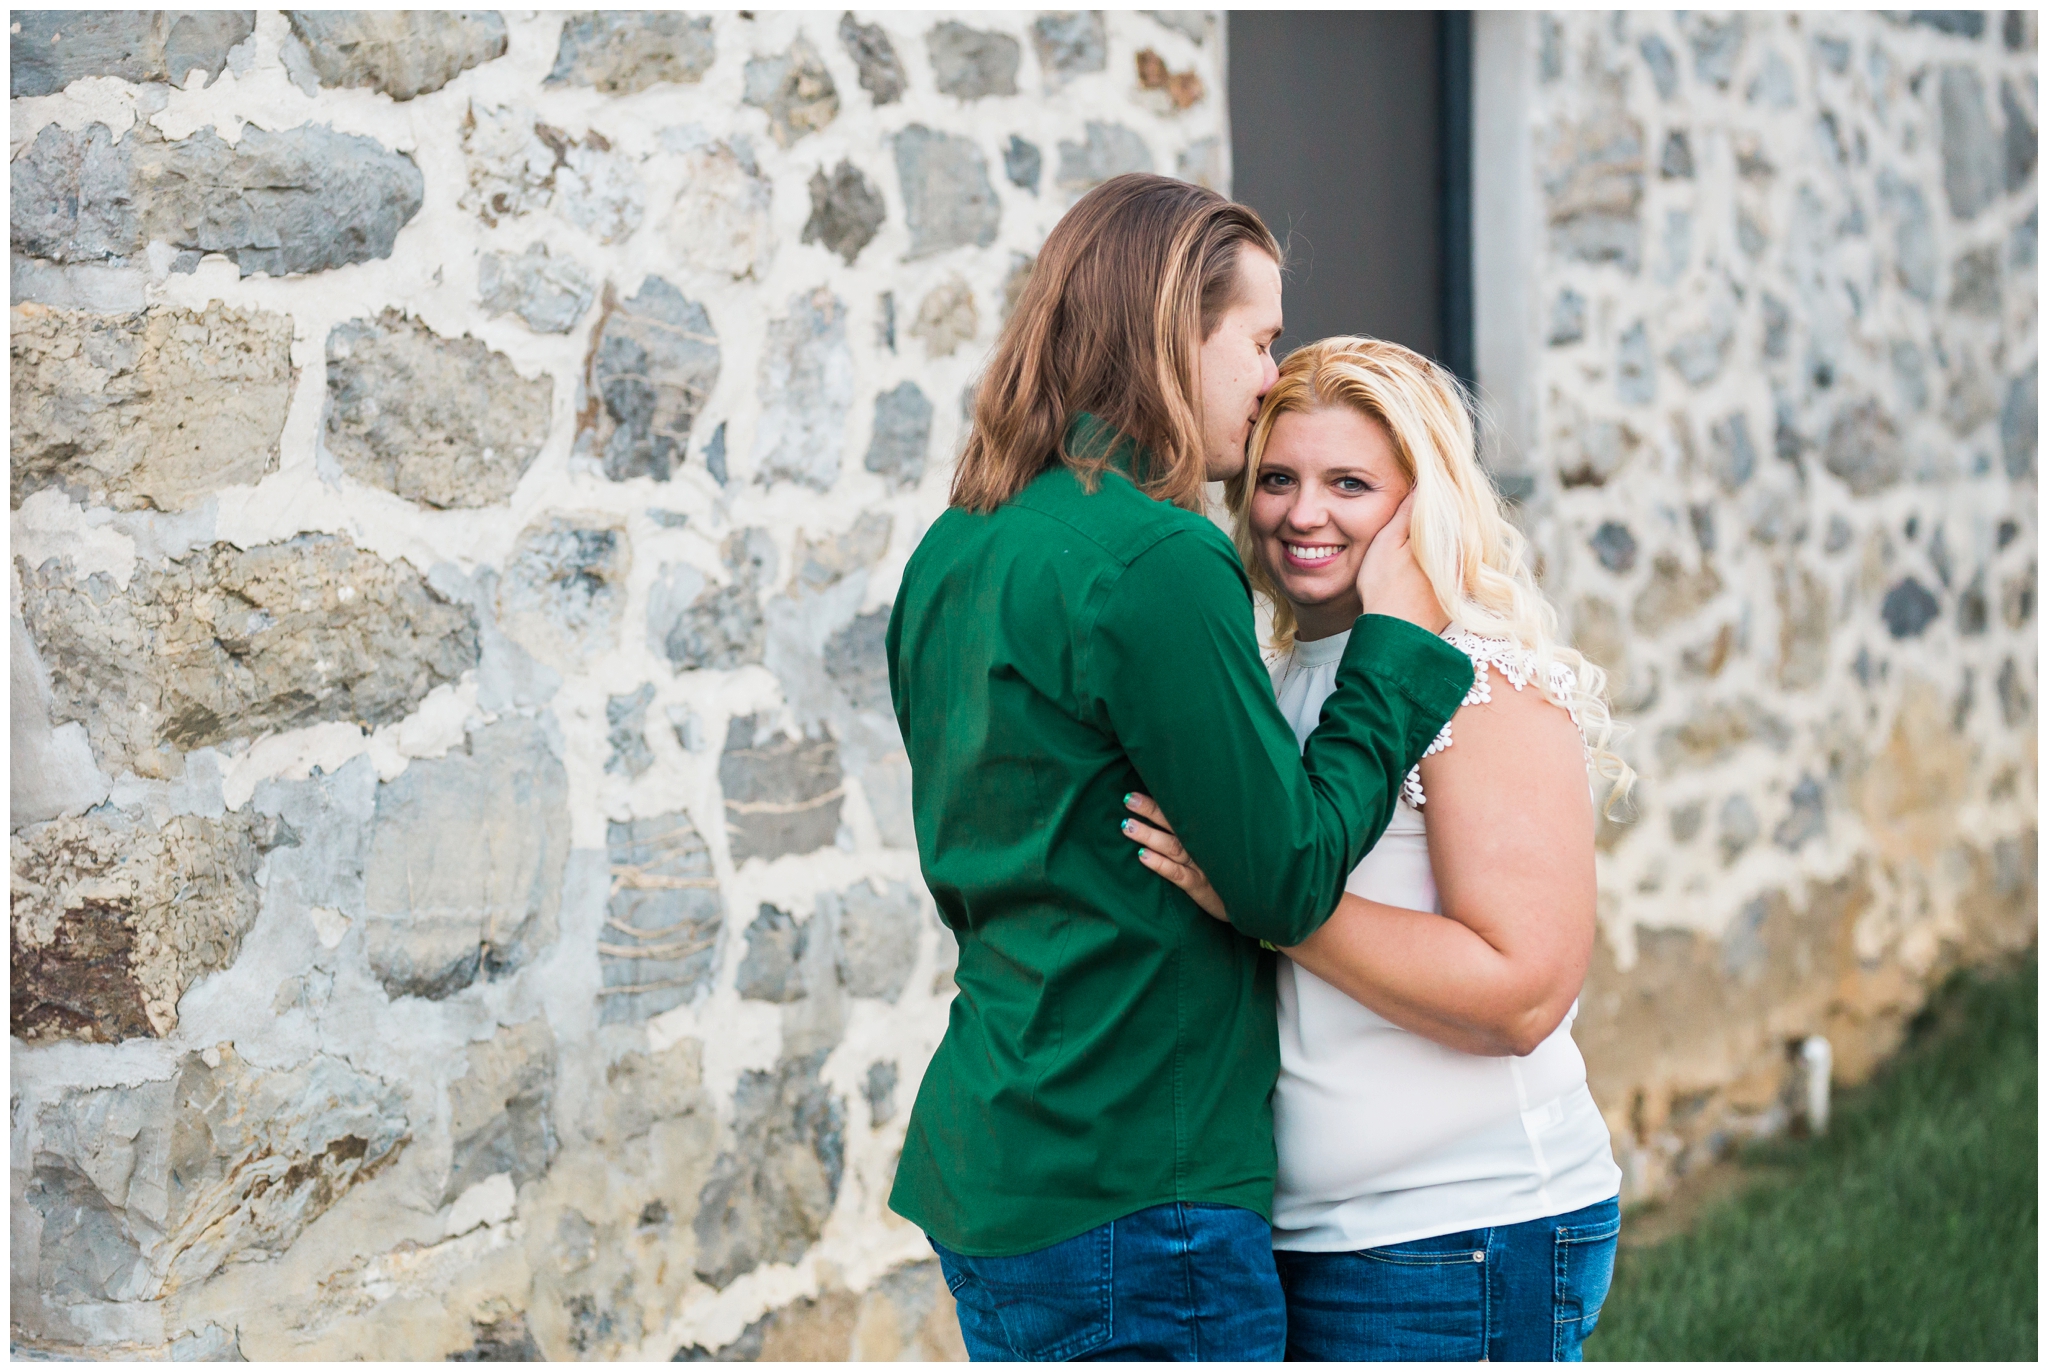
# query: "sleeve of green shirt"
{"points": [[1172, 666]]}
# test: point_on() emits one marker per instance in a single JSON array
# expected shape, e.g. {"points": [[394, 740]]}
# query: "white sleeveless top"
{"points": [[1383, 1135]]}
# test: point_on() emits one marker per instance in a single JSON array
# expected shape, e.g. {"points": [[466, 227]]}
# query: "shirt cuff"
{"points": [[1414, 661]]}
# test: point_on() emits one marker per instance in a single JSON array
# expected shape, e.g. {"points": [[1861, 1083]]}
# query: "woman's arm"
{"points": [[1511, 843]]}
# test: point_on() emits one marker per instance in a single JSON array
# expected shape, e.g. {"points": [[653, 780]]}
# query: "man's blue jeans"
{"points": [[1516, 1293], [1175, 1283]]}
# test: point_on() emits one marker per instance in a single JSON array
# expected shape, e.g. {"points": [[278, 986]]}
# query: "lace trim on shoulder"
{"points": [[1511, 660]]}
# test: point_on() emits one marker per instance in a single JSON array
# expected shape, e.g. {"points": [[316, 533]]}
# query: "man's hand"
{"points": [[1162, 852], [1390, 581]]}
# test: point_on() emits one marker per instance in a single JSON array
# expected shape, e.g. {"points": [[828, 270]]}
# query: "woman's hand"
{"points": [[1391, 581], [1162, 852]]}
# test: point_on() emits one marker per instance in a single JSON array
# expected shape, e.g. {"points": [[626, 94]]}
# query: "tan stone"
{"points": [[155, 410], [947, 318], [1675, 593]]}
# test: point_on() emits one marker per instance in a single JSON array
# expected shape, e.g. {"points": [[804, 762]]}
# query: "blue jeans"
{"points": [[1518, 1293], [1175, 1283]]}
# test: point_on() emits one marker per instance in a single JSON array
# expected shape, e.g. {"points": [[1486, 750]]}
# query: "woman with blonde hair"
{"points": [[1446, 1188]]}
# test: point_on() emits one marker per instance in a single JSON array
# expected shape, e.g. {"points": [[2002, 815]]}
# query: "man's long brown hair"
{"points": [[1128, 285]]}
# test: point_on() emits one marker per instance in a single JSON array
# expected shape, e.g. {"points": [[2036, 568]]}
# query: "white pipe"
{"points": [[1817, 1064]]}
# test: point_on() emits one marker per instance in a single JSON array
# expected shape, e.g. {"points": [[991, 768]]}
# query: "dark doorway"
{"points": [[1351, 134]]}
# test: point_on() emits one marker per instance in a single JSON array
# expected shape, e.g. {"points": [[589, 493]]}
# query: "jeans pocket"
{"points": [[1051, 1305], [1584, 1266], [1440, 1250]]}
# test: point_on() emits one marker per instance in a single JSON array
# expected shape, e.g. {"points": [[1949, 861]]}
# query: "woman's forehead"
{"points": [[1325, 437]]}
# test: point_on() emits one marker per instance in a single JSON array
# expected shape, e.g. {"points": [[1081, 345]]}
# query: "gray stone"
{"points": [[1110, 150], [500, 1112], [825, 562], [1750, 235], [1976, 284], [549, 293], [517, 165], [794, 89], [782, 794], [1675, 162], [402, 53], [1698, 356], [775, 948], [464, 873], [721, 220], [972, 63], [623, 51], [1909, 608], [1734, 454], [2024, 244], [1973, 607], [1635, 370], [1674, 593], [1070, 44], [2018, 425], [2015, 30], [1833, 53], [846, 211], [1193, 25], [2015, 701], [157, 409], [115, 919], [856, 663], [1971, 398], [1774, 84], [1909, 369], [299, 200], [878, 924], [626, 718], [52, 48], [2021, 138], [1201, 162], [1804, 622], [1913, 241], [947, 199], [505, 1339], [1701, 517], [256, 1155], [1962, 23], [1593, 185], [771, 1192], [1686, 821], [444, 422], [714, 454], [236, 643], [1972, 161], [659, 945], [1022, 163], [1863, 448], [1807, 818], [1777, 326], [564, 589], [721, 628], [1739, 827], [1567, 318], [881, 71], [653, 362], [880, 1090], [902, 436], [1549, 50], [1663, 65], [1594, 452], [1615, 546], [1716, 48], [806, 393], [946, 318]]}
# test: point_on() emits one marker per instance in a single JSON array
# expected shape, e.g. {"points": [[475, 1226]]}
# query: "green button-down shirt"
{"points": [[1112, 1047]]}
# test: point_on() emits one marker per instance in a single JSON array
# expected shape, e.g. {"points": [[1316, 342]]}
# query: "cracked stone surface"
{"points": [[155, 410], [620, 52], [53, 48], [445, 422], [403, 53], [235, 643], [659, 946], [654, 359], [291, 201]]}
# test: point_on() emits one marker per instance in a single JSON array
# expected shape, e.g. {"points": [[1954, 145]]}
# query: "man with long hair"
{"points": [[1091, 1152]]}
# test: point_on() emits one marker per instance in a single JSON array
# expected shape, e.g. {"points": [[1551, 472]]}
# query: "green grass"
{"points": [[1907, 1232]]}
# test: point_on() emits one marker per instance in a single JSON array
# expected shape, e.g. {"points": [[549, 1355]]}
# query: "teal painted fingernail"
{"points": [[1128, 795], [1125, 826]]}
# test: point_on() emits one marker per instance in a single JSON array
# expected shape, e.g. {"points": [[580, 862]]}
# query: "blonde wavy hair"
{"points": [[1475, 559]]}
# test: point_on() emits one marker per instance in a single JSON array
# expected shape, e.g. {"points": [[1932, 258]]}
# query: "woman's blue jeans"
{"points": [[1517, 1293], [1175, 1283]]}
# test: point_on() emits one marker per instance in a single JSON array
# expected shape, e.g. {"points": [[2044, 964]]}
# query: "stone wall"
{"points": [[464, 896], [1773, 381]]}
